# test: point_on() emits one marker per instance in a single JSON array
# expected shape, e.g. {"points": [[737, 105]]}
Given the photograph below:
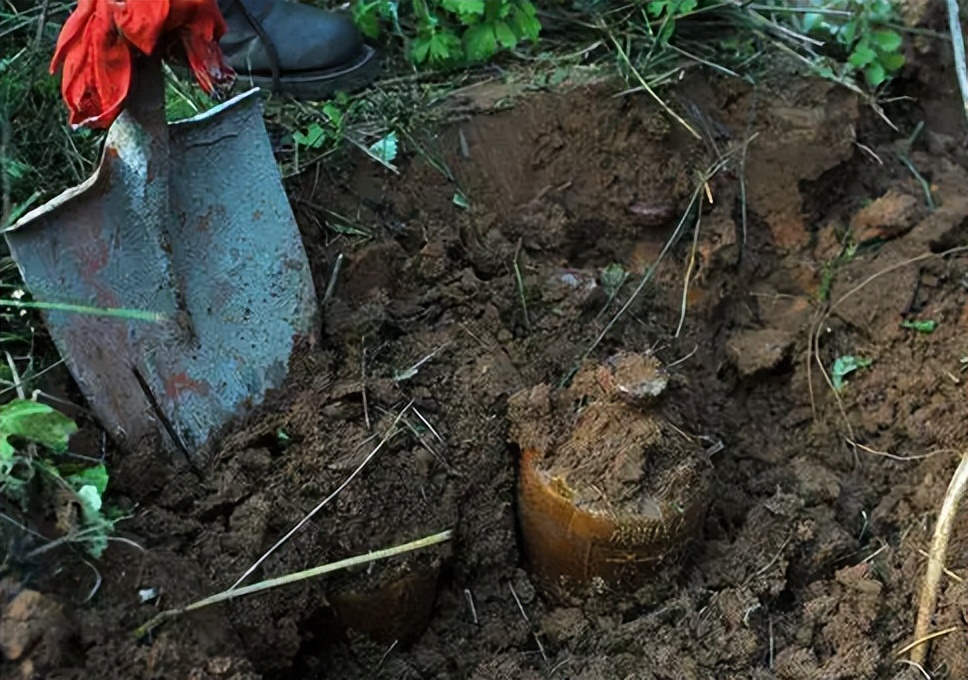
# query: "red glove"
{"points": [[95, 49]]}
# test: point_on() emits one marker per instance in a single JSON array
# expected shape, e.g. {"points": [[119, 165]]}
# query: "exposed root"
{"points": [[939, 546]]}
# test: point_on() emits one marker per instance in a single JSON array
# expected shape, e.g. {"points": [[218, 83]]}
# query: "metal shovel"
{"points": [[191, 221]]}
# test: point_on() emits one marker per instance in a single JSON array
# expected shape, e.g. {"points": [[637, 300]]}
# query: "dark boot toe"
{"points": [[292, 36]]}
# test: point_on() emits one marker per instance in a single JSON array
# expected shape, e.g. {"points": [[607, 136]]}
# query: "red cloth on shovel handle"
{"points": [[101, 39]]}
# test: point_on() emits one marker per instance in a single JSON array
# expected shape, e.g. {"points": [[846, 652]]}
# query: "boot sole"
{"points": [[317, 85]]}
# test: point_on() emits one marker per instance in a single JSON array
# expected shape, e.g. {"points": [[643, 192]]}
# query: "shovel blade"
{"points": [[203, 235]]}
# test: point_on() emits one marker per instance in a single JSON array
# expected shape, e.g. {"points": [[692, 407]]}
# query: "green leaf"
{"points": [[443, 47], [875, 74], [668, 30], [21, 208], [34, 422], [366, 16], [334, 114], [889, 41], [420, 50], [525, 21], [313, 138], [862, 55], [480, 42], [892, 62], [96, 476], [810, 21], [97, 539], [464, 7], [385, 149], [847, 33], [845, 365], [613, 276], [921, 326], [460, 200], [505, 36]]}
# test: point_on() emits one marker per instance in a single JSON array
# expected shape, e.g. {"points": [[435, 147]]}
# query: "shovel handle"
{"points": [[146, 98]]}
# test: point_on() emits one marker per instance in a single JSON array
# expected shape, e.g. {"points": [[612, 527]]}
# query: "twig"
{"points": [[470, 603], [233, 593], [947, 572], [917, 667], [412, 371], [520, 282], [35, 376], [939, 546], [524, 615], [749, 136], [390, 432], [958, 47], [15, 374], [366, 405], [689, 268], [927, 638], [894, 456], [334, 275]]}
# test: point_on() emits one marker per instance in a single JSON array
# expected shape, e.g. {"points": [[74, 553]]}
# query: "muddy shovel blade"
{"points": [[190, 221]]}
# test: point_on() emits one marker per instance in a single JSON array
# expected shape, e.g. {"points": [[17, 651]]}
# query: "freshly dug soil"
{"points": [[818, 504]]}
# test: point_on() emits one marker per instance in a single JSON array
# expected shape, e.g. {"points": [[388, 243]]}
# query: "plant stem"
{"points": [[293, 578]]}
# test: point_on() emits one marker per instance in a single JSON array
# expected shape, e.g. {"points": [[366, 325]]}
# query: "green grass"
{"points": [[431, 49]]}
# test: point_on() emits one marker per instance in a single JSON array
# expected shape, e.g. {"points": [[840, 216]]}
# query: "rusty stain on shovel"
{"points": [[189, 220]]}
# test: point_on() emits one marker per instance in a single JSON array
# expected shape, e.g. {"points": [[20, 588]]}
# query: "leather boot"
{"points": [[295, 49]]}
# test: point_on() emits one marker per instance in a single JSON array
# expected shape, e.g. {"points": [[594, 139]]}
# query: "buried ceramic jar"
{"points": [[609, 492]]}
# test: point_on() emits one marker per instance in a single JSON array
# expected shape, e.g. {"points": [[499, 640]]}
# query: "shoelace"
{"points": [[270, 46]]}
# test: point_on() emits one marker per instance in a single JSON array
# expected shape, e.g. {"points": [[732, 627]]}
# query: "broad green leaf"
{"points": [[875, 74], [34, 422], [862, 55], [96, 476], [892, 62], [525, 21], [366, 17], [463, 7], [505, 36], [889, 41], [334, 114], [312, 138], [480, 43], [420, 50], [443, 47]]}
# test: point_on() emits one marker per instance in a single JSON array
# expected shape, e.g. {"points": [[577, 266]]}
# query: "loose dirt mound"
{"points": [[810, 550]]}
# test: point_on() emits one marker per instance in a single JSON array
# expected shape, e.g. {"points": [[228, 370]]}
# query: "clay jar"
{"points": [[609, 492]]}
